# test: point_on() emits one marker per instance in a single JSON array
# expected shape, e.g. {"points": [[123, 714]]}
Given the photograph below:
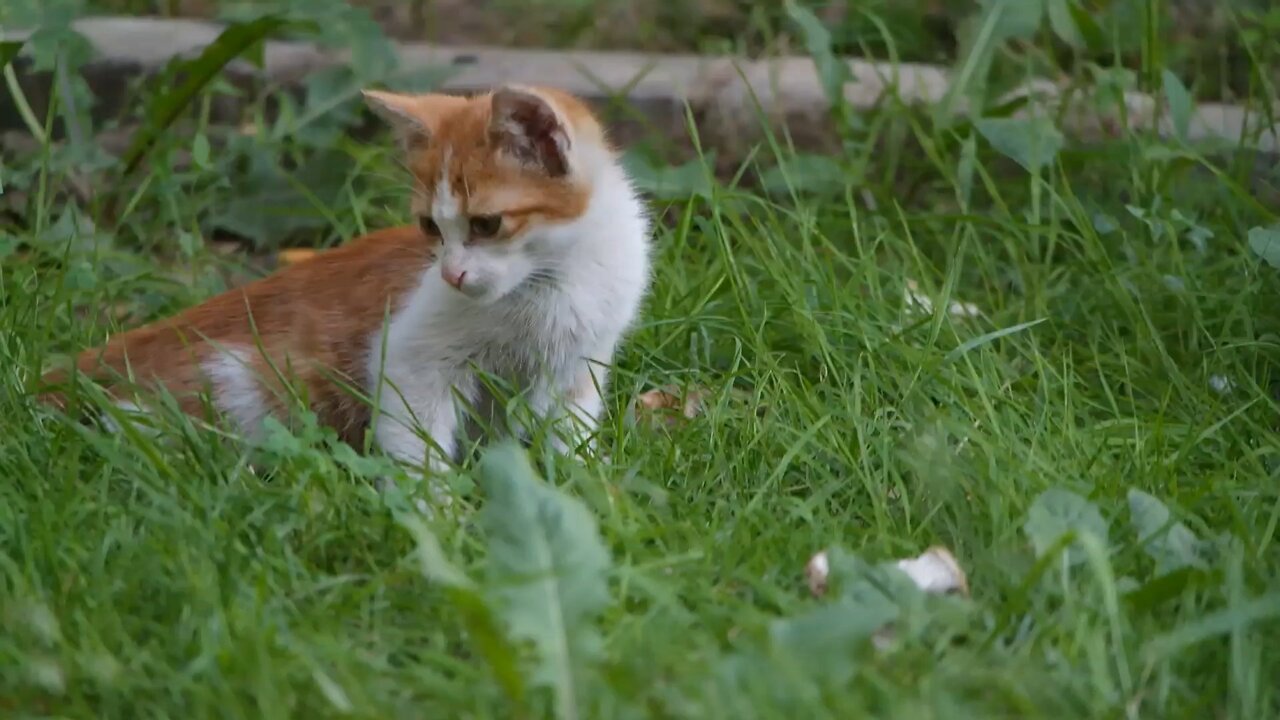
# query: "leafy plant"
{"points": [[1033, 143], [1170, 543], [1057, 512], [1265, 241], [546, 581], [165, 107]]}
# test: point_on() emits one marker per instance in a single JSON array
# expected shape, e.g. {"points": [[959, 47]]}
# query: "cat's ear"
{"points": [[526, 127], [414, 118]]}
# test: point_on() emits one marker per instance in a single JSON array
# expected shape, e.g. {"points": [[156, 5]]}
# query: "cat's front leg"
{"points": [[574, 412], [416, 411]]}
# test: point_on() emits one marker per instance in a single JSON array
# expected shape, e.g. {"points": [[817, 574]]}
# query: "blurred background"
{"points": [[259, 157], [1207, 39]]}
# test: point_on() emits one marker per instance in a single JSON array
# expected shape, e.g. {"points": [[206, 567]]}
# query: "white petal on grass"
{"points": [[934, 571]]}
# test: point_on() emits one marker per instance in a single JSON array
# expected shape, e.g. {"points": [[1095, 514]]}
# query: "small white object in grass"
{"points": [[918, 301], [816, 572], [935, 571], [963, 309], [1221, 384]]}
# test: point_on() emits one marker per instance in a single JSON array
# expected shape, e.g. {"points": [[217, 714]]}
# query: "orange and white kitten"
{"points": [[530, 262]]}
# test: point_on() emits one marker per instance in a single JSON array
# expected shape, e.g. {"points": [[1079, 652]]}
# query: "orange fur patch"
{"points": [[482, 180], [312, 320]]}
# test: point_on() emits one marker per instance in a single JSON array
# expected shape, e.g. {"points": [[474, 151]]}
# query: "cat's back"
{"points": [[309, 313]]}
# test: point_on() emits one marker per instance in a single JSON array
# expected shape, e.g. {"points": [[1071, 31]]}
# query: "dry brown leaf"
{"points": [[293, 256], [670, 404]]}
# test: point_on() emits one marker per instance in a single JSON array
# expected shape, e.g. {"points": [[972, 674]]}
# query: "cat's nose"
{"points": [[453, 277]]}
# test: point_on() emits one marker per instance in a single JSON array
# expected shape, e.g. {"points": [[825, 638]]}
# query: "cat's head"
{"points": [[496, 175]]}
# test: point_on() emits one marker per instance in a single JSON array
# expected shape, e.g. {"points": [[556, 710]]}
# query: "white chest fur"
{"points": [[554, 336]]}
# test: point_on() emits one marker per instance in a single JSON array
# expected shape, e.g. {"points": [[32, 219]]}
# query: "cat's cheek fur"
{"points": [[492, 273]]}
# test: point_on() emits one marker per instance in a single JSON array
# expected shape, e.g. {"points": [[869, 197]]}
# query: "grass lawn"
{"points": [[1098, 447]]}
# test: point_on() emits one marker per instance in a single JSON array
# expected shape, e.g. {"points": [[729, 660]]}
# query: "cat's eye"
{"points": [[429, 226], [485, 226]]}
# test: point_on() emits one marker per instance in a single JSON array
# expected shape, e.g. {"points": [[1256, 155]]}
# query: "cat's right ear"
{"points": [[414, 118]]}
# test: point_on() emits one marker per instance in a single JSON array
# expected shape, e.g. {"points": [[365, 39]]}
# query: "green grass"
{"points": [[150, 576]]}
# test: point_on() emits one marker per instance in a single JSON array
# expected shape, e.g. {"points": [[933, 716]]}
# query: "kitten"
{"points": [[529, 263]]}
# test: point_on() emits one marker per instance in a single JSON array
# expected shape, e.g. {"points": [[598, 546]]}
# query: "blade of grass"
{"points": [[165, 108]]}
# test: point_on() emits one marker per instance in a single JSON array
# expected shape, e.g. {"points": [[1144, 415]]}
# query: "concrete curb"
{"points": [[721, 93]]}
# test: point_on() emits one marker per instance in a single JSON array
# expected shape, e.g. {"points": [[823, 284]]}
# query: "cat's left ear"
{"points": [[414, 118], [525, 126]]}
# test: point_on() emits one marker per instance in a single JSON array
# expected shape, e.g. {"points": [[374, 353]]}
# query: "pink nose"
{"points": [[454, 277]]}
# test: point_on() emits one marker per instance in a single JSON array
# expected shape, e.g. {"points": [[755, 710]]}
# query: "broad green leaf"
{"points": [[1091, 32], [806, 173], [832, 71], [331, 98], [1265, 241], [1180, 104], [1171, 544], [547, 572], [1031, 142], [825, 641], [1063, 23], [667, 182], [1056, 512], [332, 101], [56, 41], [200, 150], [1016, 18], [466, 597], [268, 203], [165, 108]]}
